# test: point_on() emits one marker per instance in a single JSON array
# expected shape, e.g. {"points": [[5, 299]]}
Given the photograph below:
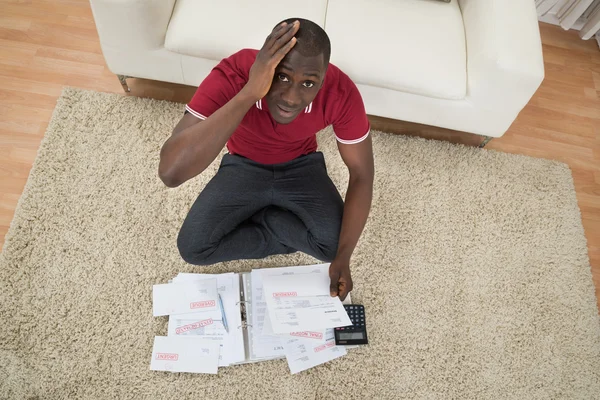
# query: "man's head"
{"points": [[300, 74]]}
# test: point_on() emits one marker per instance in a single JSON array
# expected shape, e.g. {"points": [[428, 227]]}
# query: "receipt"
{"points": [[302, 354]]}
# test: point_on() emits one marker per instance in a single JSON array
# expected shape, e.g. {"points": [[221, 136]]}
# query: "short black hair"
{"points": [[311, 39]]}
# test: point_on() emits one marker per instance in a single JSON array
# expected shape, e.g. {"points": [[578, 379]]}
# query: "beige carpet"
{"points": [[473, 269]]}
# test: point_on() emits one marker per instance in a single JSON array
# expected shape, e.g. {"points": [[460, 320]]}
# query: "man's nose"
{"points": [[291, 97]]}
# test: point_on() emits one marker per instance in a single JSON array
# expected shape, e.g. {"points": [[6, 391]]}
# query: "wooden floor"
{"points": [[48, 44]]}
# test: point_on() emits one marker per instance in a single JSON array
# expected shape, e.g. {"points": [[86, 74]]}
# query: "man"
{"points": [[272, 194]]}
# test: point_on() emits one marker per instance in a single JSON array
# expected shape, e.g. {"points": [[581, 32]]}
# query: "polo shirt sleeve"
{"points": [[351, 124], [220, 86]]}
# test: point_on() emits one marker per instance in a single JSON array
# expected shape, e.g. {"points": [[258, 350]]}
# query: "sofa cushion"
{"points": [[216, 29], [413, 46]]}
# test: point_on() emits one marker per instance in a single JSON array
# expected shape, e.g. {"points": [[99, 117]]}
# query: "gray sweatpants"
{"points": [[250, 210]]}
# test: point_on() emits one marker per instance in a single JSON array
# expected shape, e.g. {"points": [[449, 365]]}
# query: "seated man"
{"points": [[272, 194]]}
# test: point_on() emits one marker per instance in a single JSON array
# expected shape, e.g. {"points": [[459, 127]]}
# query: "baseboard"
{"points": [[424, 131]]}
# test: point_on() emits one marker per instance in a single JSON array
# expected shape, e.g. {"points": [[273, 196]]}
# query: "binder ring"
{"points": [[243, 301], [244, 325]]}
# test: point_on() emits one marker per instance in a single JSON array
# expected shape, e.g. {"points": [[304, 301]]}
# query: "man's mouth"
{"points": [[286, 112]]}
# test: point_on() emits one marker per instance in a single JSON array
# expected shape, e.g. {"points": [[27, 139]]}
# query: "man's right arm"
{"points": [[194, 145], [190, 150]]}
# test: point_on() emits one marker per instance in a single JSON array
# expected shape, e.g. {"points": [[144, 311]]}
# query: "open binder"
{"points": [[245, 310]]}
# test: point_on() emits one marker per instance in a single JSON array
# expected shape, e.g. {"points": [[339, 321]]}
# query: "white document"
{"points": [[208, 329], [186, 297], [192, 327], [317, 335], [299, 300], [232, 343], [185, 354], [309, 280], [306, 313], [302, 354], [261, 346]]}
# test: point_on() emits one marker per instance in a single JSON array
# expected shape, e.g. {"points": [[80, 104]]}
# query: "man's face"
{"points": [[296, 83]]}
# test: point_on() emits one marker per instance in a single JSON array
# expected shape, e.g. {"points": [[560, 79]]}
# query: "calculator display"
{"points": [[351, 335], [356, 333]]}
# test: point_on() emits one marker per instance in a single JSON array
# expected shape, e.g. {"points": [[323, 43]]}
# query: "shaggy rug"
{"points": [[473, 270]]}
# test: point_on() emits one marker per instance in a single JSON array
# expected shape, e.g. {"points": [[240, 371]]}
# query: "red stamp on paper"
{"points": [[195, 325], [285, 294], [202, 304], [167, 356], [308, 334], [324, 346]]}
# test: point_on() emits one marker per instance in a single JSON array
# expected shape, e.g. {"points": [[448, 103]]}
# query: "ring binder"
{"points": [[245, 325], [251, 337]]}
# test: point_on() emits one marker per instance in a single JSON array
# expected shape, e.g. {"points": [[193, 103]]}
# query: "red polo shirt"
{"points": [[259, 137]]}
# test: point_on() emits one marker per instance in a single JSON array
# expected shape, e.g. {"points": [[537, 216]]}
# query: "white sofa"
{"points": [[467, 65]]}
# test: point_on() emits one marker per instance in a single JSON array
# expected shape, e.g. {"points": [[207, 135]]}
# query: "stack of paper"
{"points": [[289, 314], [300, 310], [197, 339]]}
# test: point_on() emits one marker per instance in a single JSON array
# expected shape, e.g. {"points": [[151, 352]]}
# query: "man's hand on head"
{"points": [[277, 45], [341, 280]]}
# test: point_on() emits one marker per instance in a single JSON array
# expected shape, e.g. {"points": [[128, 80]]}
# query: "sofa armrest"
{"points": [[132, 25], [504, 52]]}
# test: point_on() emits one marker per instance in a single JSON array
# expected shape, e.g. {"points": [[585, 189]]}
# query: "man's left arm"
{"points": [[358, 157]]}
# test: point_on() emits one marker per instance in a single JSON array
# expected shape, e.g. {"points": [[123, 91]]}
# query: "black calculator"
{"points": [[355, 333]]}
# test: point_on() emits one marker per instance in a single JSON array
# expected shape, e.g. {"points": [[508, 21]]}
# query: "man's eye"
{"points": [[283, 78], [308, 84]]}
